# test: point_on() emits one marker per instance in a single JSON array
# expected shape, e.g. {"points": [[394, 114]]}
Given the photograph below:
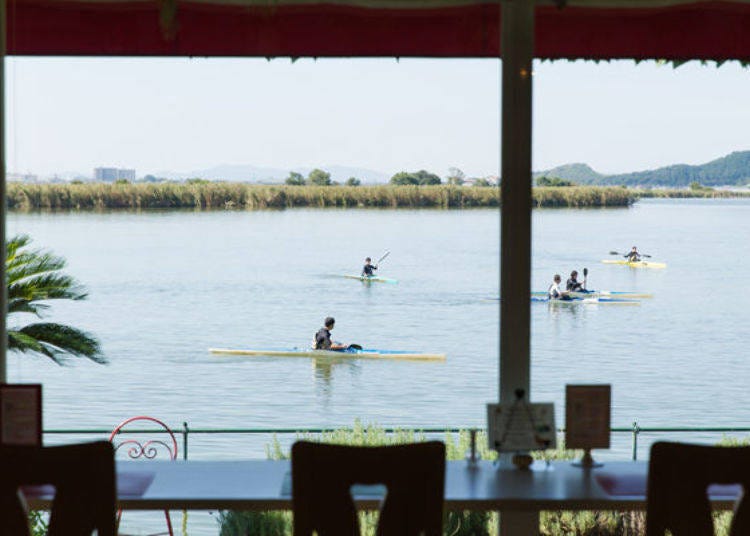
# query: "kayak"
{"points": [[596, 300], [371, 278], [600, 300], [637, 264], [365, 353], [602, 294]]}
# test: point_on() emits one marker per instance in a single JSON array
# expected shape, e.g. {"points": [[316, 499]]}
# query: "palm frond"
{"points": [[50, 286], [58, 341], [32, 263], [20, 305], [33, 277]]}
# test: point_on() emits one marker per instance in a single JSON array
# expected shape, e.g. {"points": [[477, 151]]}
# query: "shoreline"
{"points": [[243, 196]]}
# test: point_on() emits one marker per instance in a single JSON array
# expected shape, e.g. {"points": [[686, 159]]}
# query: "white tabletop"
{"points": [[265, 485]]}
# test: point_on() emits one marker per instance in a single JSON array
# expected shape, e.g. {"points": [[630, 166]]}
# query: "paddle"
{"points": [[381, 259], [585, 273], [354, 347], [618, 253]]}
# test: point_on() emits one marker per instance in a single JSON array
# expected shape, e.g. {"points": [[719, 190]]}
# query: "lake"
{"points": [[166, 286]]}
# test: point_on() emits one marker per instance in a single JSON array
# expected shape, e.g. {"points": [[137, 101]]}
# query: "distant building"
{"points": [[108, 174], [22, 177]]}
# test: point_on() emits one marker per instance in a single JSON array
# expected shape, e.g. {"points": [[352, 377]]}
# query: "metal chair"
{"points": [[323, 475], [149, 449], [678, 477], [84, 480]]}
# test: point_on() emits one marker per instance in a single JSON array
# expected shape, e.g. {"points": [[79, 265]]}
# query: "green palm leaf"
{"points": [[33, 279]]}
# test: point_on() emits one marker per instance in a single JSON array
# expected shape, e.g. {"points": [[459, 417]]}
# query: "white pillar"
{"points": [[517, 50], [3, 203]]}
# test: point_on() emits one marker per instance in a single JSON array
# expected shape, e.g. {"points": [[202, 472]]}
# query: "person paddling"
{"points": [[554, 292], [368, 269], [322, 339], [633, 255], [573, 285]]}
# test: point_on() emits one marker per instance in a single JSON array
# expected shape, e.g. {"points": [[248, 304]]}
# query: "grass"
{"points": [[234, 195], [693, 193]]}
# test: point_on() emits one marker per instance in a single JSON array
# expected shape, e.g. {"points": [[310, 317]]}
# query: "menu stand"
{"points": [[587, 420]]}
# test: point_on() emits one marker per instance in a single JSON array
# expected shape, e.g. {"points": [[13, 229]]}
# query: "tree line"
{"points": [[319, 177]]}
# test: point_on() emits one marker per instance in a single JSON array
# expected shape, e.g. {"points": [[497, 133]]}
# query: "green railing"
{"points": [[185, 432]]}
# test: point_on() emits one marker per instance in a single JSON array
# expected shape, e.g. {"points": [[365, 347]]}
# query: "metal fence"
{"points": [[185, 432]]}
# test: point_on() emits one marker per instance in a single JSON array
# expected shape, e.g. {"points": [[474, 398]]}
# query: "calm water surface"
{"points": [[166, 286]]}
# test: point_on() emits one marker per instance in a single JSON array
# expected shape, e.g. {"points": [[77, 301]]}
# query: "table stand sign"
{"points": [[587, 420], [472, 457], [21, 414], [520, 427]]}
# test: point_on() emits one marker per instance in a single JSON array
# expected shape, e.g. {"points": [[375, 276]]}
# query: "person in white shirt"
{"points": [[554, 292]]}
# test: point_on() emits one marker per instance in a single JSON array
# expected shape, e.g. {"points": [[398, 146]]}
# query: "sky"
{"points": [[159, 114]]}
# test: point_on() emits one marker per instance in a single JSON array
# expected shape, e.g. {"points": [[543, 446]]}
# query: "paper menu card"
{"points": [[21, 414], [587, 416], [521, 426]]}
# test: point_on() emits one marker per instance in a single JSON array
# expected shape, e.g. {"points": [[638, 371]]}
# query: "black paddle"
{"points": [[618, 253], [354, 347], [585, 273]]}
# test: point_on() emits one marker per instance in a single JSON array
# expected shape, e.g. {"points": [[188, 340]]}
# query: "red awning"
{"points": [[598, 29]]}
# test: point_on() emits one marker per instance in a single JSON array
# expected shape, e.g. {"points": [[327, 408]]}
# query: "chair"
{"points": [[322, 477], [84, 479], [148, 449], [678, 477]]}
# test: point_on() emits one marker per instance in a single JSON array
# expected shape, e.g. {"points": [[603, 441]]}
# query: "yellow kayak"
{"points": [[364, 353], [637, 264]]}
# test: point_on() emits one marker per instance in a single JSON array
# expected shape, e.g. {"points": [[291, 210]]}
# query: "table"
{"points": [[264, 485]]}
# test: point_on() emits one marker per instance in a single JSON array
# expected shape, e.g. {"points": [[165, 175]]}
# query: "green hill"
{"points": [[730, 170]]}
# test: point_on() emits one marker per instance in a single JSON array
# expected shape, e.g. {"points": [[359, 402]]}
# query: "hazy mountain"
{"points": [[730, 170], [247, 172]]}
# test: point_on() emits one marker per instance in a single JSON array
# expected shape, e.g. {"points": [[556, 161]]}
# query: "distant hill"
{"points": [[730, 170], [579, 173]]}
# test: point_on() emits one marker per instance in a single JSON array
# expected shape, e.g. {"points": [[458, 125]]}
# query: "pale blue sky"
{"points": [[184, 114]]}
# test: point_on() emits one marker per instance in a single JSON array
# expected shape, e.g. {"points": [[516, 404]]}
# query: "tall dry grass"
{"points": [[232, 195]]}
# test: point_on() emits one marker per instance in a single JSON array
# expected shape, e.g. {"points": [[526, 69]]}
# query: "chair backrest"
{"points": [[84, 479], [144, 449], [678, 477], [322, 477]]}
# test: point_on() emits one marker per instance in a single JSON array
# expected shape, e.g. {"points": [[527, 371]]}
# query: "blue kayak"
{"points": [[594, 300]]}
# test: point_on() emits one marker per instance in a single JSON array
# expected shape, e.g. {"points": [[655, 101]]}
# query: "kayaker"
{"points": [[369, 268], [554, 292], [573, 285], [633, 255], [322, 340]]}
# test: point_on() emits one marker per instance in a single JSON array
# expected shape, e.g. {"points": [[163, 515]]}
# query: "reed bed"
{"points": [[708, 193], [233, 195]]}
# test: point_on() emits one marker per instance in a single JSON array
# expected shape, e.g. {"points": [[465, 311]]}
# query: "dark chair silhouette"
{"points": [[322, 477], [84, 479], [678, 477], [149, 449]]}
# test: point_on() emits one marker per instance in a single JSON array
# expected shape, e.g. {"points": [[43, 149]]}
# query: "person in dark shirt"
{"points": [[573, 285], [633, 255], [323, 340], [368, 269]]}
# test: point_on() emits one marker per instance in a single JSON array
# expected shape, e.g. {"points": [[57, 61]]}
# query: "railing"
{"points": [[185, 432]]}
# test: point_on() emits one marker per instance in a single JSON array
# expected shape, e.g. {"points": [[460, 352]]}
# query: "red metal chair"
{"points": [[148, 449]]}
